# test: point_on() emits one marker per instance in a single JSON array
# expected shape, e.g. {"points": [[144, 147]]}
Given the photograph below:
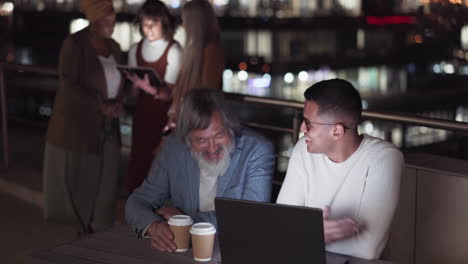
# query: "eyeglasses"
{"points": [[310, 124]]}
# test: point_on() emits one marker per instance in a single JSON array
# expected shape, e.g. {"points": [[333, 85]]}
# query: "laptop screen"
{"points": [[255, 232]]}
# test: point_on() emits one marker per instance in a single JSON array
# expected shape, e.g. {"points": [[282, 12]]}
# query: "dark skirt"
{"points": [[148, 122], [80, 188]]}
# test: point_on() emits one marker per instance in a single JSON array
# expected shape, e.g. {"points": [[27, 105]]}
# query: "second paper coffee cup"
{"points": [[203, 235], [180, 227]]}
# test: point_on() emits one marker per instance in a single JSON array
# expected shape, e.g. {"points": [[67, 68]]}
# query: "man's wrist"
{"points": [[144, 232], [151, 228]]}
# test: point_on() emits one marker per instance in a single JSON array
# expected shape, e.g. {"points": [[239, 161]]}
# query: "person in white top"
{"points": [[158, 27], [354, 178], [152, 51], [157, 50]]}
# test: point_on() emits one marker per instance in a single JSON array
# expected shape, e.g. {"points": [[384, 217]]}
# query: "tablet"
{"points": [[153, 76]]}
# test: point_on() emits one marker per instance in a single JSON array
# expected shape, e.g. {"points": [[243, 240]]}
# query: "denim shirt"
{"points": [[175, 177]]}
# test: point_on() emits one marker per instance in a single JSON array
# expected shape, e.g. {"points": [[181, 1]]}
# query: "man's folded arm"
{"points": [[151, 195], [378, 206]]}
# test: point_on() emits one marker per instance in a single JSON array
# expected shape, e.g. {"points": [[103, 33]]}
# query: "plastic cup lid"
{"points": [[202, 228], [180, 220]]}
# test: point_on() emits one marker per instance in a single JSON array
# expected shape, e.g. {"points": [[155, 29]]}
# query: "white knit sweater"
{"points": [[364, 187]]}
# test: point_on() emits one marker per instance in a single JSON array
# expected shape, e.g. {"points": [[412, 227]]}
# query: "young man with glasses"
{"points": [[354, 178]]}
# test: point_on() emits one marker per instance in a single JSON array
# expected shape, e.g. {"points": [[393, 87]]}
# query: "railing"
{"points": [[294, 129], [386, 116], [20, 68]]}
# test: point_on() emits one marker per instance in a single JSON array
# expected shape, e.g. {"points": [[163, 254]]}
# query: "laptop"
{"points": [[255, 232]]}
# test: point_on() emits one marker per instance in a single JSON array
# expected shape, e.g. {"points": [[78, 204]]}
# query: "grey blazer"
{"points": [[174, 177]]}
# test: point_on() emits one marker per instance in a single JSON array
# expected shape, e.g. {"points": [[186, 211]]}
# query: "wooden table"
{"points": [[119, 245]]}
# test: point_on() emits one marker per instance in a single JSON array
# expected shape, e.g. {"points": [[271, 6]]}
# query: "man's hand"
{"points": [[167, 212], [338, 229], [171, 122], [161, 236]]}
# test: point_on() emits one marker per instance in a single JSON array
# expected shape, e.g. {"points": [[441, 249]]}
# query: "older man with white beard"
{"points": [[210, 156]]}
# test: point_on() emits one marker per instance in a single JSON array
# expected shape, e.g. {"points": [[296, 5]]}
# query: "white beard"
{"points": [[215, 169]]}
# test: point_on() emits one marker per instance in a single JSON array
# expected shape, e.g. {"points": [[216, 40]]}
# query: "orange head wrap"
{"points": [[96, 9]]}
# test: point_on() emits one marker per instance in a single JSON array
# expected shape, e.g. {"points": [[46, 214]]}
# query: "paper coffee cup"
{"points": [[203, 235], [180, 227]]}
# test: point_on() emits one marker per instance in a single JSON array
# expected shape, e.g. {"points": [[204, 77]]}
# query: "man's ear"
{"points": [[338, 131]]}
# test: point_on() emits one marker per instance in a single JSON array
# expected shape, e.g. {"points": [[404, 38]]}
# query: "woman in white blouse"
{"points": [[161, 52]]}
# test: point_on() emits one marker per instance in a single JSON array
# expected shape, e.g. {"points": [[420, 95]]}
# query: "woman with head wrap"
{"points": [[82, 144]]}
